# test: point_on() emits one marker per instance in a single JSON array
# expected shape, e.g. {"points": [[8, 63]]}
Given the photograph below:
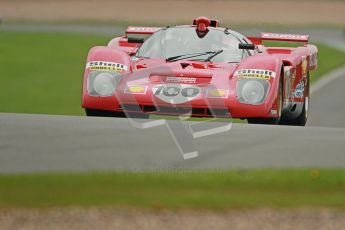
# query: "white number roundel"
{"points": [[176, 93]]}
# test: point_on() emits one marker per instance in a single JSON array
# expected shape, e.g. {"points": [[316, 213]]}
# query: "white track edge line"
{"points": [[327, 78]]}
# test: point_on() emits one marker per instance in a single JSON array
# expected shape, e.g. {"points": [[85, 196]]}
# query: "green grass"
{"points": [[328, 59], [41, 73], [206, 190]]}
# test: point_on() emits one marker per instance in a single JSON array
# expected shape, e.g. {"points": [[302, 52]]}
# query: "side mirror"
{"points": [[135, 40], [246, 46]]}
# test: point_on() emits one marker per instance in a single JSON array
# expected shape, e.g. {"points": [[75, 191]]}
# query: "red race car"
{"points": [[200, 70]]}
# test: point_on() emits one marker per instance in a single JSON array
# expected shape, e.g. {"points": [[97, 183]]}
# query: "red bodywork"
{"points": [[291, 65]]}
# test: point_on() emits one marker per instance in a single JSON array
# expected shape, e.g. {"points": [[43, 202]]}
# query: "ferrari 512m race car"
{"points": [[200, 70]]}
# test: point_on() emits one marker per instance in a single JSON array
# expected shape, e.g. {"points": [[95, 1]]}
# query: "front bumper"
{"points": [[199, 107]]}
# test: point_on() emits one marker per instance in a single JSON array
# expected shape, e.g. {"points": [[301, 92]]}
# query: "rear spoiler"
{"points": [[138, 30], [279, 37]]}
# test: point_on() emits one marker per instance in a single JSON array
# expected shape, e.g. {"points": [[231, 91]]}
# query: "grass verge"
{"points": [[41, 73], [288, 188]]}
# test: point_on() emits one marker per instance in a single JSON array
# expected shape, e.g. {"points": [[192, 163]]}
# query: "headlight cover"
{"points": [[102, 83], [252, 91]]}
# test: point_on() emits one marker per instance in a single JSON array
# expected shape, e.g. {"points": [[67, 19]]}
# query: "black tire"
{"points": [[103, 113], [271, 121]]}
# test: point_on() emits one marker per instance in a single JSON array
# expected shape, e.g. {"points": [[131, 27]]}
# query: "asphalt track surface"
{"points": [[33, 143], [40, 143], [327, 103]]}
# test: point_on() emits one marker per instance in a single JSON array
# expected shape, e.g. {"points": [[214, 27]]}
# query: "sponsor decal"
{"points": [[136, 89], [255, 73], [176, 93], [217, 93], [186, 80], [299, 91], [106, 66]]}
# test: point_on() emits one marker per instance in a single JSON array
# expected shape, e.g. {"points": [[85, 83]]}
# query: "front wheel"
{"points": [[301, 120]]}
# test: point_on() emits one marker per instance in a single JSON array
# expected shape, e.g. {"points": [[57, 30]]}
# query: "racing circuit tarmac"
{"points": [[63, 143], [40, 143]]}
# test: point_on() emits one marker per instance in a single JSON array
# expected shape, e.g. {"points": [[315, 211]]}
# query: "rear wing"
{"points": [[139, 31], [279, 37]]}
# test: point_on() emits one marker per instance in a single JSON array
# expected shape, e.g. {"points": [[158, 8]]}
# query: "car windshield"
{"points": [[177, 41]]}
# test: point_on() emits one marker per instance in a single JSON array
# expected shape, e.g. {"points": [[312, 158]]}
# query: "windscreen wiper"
{"points": [[183, 56], [213, 55]]}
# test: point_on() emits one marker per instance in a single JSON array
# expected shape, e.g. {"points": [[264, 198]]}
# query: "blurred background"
{"points": [[229, 12]]}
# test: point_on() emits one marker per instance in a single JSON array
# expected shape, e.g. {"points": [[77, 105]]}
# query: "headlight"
{"points": [[102, 83], [252, 91]]}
